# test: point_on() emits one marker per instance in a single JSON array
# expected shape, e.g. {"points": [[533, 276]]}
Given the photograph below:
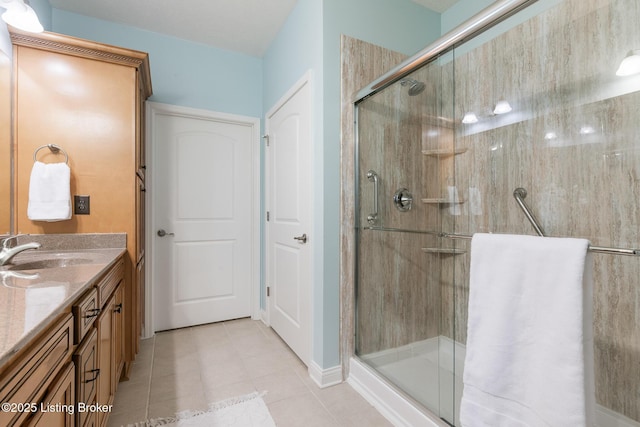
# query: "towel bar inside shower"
{"points": [[519, 194]]}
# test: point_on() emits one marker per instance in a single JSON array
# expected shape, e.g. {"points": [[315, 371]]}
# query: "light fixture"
{"points": [[469, 118], [20, 15], [550, 135], [630, 64], [502, 107]]}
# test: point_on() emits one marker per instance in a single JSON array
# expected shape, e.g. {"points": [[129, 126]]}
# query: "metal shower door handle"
{"points": [[301, 239], [372, 176], [162, 233]]}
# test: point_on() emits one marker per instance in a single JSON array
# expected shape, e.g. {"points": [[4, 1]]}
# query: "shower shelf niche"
{"points": [[444, 251], [440, 153]]}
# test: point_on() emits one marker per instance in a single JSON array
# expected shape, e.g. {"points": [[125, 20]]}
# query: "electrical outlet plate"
{"points": [[81, 205]]}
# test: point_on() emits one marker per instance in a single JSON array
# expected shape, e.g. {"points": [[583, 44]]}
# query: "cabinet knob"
{"points": [[118, 308]]}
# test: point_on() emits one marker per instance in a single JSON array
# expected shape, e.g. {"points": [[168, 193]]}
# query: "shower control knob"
{"points": [[403, 200]]}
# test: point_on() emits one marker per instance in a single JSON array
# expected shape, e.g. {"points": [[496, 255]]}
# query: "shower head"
{"points": [[415, 87]]}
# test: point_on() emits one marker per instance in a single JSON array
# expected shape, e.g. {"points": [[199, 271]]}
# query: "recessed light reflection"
{"points": [[469, 118], [550, 135], [502, 107], [587, 130], [630, 64]]}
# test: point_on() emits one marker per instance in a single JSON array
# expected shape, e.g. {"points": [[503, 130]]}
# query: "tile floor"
{"points": [[192, 367]]}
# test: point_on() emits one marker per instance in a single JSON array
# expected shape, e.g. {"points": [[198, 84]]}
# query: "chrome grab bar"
{"points": [[372, 176], [519, 194]]}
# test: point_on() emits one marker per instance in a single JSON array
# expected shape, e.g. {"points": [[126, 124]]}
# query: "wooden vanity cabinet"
{"points": [[110, 337], [77, 359], [34, 376], [99, 358], [62, 395]]}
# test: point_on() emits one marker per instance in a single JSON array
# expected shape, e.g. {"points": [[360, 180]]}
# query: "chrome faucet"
{"points": [[8, 252]]}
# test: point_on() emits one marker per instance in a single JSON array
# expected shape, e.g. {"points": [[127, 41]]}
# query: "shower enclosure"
{"points": [[527, 95]]}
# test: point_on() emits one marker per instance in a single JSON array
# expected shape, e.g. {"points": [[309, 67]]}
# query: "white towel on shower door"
{"points": [[529, 359]]}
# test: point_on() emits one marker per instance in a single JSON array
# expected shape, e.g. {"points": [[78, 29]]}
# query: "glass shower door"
{"points": [[404, 162]]}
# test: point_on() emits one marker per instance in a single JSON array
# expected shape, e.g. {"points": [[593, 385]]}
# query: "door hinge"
{"points": [[266, 138], [268, 291], [268, 216]]}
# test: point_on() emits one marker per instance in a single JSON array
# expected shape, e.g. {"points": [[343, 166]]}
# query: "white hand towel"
{"points": [[529, 359], [49, 192]]}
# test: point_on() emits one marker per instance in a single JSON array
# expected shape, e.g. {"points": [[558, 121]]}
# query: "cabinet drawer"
{"points": [[28, 380], [86, 360], [108, 284], [85, 312]]}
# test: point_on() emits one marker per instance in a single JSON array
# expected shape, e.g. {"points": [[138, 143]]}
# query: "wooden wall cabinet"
{"points": [[89, 99]]}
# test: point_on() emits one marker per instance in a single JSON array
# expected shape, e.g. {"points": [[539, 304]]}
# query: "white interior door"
{"points": [[289, 243], [203, 201]]}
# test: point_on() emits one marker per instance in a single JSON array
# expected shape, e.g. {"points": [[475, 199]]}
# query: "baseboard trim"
{"points": [[325, 377]]}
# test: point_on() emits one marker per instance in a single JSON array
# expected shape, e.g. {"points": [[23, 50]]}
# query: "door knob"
{"points": [[162, 233], [301, 239]]}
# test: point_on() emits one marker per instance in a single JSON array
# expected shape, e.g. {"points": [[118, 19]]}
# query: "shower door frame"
{"points": [[489, 17]]}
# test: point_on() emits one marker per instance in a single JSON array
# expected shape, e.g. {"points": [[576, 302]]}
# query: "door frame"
{"points": [[306, 79], [153, 110]]}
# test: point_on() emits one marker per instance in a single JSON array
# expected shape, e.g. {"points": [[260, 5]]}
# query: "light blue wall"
{"points": [[182, 72], [461, 11], [399, 25], [310, 40], [194, 75], [44, 11], [297, 49]]}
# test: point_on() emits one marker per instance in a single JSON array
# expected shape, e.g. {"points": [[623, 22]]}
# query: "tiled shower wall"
{"points": [[571, 141]]}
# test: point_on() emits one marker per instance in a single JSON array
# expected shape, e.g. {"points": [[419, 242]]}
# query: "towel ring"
{"points": [[54, 149]]}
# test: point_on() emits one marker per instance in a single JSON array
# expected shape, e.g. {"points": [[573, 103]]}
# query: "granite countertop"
{"points": [[30, 299]]}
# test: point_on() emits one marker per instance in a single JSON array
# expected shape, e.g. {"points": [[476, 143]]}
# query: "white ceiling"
{"points": [[246, 26]]}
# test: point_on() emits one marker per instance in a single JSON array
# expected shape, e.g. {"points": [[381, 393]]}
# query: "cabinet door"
{"points": [[140, 292], [105, 357], [87, 372], [31, 377], [118, 336], [140, 217], [57, 408]]}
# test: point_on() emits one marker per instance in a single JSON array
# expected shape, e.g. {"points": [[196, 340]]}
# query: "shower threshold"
{"points": [[411, 384], [429, 371]]}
